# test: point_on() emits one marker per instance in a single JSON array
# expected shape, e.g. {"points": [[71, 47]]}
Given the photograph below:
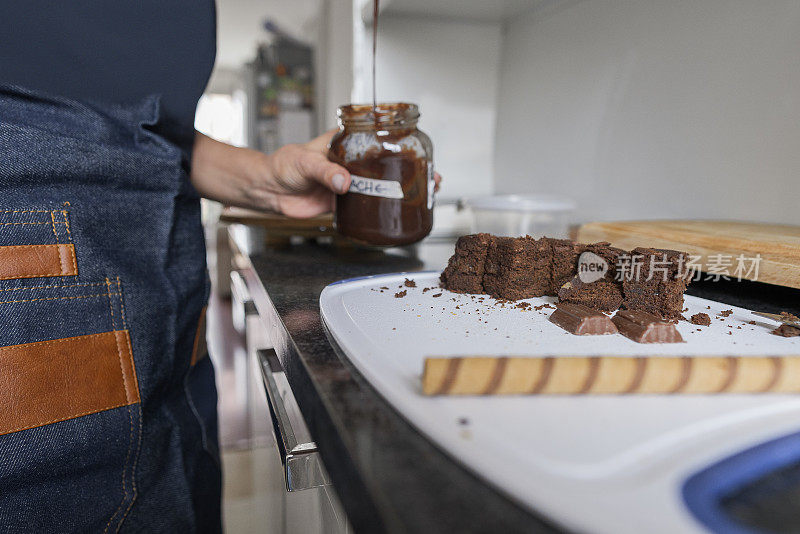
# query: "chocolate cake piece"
{"points": [[565, 262], [517, 268], [654, 281], [491, 272], [611, 255], [662, 298], [647, 279], [464, 271], [605, 293], [787, 330]]}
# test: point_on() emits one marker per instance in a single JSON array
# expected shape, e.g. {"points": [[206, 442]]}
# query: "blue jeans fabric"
{"points": [[134, 219]]}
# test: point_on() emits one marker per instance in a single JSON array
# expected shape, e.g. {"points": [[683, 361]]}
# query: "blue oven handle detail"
{"points": [[704, 491]]}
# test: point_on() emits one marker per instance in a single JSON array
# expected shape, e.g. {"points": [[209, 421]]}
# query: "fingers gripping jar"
{"points": [[390, 201]]}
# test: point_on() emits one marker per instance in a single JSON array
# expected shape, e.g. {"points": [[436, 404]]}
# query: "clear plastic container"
{"points": [[519, 215]]}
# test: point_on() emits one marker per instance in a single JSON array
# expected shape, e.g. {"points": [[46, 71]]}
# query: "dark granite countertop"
{"points": [[388, 476]]}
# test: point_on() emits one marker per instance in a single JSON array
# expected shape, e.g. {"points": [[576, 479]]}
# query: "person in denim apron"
{"points": [[107, 401]]}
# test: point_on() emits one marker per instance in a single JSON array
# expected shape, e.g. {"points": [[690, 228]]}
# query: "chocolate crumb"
{"points": [[426, 289], [384, 287], [786, 330], [751, 322], [725, 313], [437, 295], [400, 294], [786, 316], [409, 283], [701, 319], [523, 305]]}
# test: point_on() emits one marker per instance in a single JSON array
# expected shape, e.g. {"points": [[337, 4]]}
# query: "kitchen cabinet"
{"points": [[387, 476], [302, 500]]}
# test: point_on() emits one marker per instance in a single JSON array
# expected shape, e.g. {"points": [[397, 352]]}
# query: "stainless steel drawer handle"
{"points": [[241, 293], [302, 463], [241, 302]]}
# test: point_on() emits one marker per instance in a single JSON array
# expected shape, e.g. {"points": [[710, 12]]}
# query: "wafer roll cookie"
{"points": [[610, 375], [788, 375]]}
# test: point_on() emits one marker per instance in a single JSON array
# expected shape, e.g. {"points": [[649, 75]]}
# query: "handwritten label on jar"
{"points": [[375, 188]]}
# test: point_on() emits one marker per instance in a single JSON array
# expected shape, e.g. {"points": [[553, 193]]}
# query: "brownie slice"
{"points": [[662, 298], [464, 271], [518, 268], [564, 264], [647, 279], [654, 281], [604, 294]]}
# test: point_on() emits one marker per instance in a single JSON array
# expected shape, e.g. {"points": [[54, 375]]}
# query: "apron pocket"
{"points": [[71, 415], [36, 243], [51, 381]]}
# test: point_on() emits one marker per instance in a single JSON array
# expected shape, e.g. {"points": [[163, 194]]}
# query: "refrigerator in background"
{"points": [[280, 86]]}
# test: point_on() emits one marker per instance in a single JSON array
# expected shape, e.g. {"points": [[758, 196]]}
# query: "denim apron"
{"points": [[107, 403]]}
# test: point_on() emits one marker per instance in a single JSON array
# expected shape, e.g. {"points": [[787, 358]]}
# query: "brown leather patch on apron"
{"points": [[50, 381], [37, 261]]}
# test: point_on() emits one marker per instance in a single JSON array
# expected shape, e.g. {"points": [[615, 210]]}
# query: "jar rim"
{"points": [[387, 113]]}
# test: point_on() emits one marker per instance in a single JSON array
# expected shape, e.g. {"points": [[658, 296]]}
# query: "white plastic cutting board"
{"points": [[599, 464]]}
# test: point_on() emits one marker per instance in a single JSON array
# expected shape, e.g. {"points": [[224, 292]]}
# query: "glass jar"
{"points": [[390, 201]]}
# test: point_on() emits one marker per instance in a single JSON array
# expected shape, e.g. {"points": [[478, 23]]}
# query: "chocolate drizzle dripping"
{"points": [[374, 51]]}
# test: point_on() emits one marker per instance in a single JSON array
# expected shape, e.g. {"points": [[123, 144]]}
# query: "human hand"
{"points": [[304, 180]]}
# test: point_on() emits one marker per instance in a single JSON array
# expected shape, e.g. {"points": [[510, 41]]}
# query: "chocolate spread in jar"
{"points": [[390, 201]]}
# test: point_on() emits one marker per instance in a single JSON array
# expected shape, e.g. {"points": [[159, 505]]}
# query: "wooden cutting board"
{"points": [[778, 245], [314, 226], [279, 229]]}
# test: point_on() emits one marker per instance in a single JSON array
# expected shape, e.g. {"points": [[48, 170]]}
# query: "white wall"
{"points": [[451, 70], [648, 109], [240, 25], [334, 60]]}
